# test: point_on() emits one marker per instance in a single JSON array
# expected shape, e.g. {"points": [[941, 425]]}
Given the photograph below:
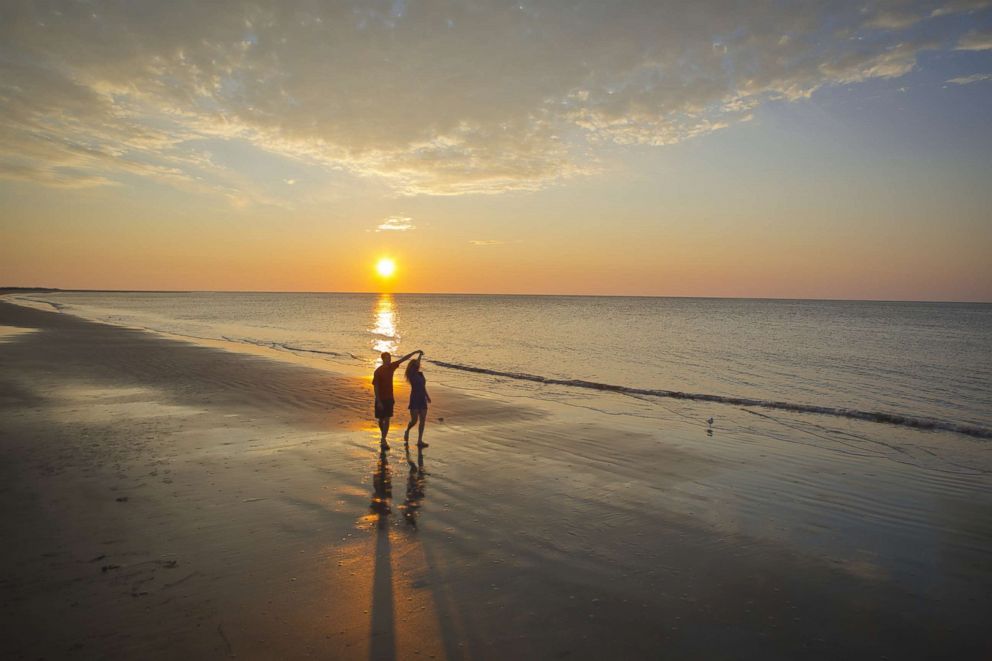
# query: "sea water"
{"points": [[919, 366]]}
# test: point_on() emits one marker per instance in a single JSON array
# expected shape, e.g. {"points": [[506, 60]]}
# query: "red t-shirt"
{"points": [[382, 380]]}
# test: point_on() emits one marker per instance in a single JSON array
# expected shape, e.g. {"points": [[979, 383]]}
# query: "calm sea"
{"points": [[922, 367]]}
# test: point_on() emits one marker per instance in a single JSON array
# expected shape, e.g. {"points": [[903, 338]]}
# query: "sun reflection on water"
{"points": [[384, 334]]}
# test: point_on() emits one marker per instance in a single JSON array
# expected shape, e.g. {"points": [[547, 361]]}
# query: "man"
{"points": [[382, 383]]}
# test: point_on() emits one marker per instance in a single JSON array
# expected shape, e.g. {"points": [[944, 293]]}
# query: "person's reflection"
{"points": [[416, 484], [383, 487]]}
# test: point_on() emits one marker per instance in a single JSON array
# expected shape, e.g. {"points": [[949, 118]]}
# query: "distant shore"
{"points": [[163, 499]]}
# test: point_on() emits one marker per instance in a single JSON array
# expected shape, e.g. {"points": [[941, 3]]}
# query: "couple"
{"points": [[382, 383]]}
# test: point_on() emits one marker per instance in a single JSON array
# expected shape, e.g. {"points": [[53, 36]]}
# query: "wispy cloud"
{"points": [[968, 80], [894, 19], [960, 6], [396, 224], [486, 242], [58, 177], [976, 40], [443, 100]]}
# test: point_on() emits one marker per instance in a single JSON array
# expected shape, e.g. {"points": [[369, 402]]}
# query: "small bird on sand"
{"points": [[710, 422]]}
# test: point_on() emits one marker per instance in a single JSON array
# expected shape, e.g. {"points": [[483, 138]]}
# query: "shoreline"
{"points": [[307, 357], [162, 498]]}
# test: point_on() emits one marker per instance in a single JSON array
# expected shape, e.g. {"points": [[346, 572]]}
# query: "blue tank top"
{"points": [[418, 391]]}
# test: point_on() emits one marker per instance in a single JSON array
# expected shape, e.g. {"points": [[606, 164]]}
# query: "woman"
{"points": [[418, 400]]}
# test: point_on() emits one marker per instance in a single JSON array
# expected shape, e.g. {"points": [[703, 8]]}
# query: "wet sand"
{"points": [[162, 499]]}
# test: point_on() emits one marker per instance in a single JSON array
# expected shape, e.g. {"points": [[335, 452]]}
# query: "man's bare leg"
{"points": [[384, 430]]}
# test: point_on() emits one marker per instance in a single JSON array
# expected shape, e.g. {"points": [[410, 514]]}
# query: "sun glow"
{"points": [[385, 267]]}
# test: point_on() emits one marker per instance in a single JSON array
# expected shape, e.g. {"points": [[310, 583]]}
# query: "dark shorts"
{"points": [[384, 408]]}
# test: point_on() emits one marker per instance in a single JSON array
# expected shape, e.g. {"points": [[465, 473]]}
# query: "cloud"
{"points": [[396, 224], [486, 242], [960, 6], [968, 80], [894, 19], [57, 177], [976, 40], [440, 98]]}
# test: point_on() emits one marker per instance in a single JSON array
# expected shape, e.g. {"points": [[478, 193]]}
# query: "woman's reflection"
{"points": [[416, 485]]}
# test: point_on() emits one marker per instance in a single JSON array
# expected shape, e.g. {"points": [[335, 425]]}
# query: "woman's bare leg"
{"points": [[420, 430], [413, 421]]}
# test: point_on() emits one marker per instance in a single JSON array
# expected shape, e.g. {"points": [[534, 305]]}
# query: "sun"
{"points": [[385, 267]]}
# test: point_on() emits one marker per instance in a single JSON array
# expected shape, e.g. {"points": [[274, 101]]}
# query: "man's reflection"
{"points": [[383, 487]]}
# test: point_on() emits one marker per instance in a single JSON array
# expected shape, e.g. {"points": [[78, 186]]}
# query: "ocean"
{"points": [[903, 372]]}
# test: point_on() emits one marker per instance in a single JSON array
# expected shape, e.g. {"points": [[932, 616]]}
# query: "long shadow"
{"points": [[453, 637], [383, 634], [383, 643]]}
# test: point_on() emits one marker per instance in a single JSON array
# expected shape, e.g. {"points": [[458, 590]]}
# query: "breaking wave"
{"points": [[927, 424], [288, 347]]}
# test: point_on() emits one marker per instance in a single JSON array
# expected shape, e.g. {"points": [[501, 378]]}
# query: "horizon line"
{"points": [[4, 290]]}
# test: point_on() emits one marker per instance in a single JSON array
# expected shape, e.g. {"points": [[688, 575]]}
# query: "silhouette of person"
{"points": [[418, 401], [382, 384]]}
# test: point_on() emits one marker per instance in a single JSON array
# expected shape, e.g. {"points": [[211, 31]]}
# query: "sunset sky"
{"points": [[767, 149]]}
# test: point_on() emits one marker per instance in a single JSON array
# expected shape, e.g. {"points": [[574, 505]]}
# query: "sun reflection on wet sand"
{"points": [[384, 330], [403, 616]]}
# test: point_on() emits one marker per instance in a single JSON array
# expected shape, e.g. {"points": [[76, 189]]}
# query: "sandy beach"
{"points": [[165, 500]]}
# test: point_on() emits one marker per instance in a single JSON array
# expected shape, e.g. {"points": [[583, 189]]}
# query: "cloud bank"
{"points": [[432, 97]]}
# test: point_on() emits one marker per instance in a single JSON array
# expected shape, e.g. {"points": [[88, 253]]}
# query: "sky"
{"points": [[821, 149]]}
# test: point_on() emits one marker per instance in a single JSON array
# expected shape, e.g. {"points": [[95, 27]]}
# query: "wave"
{"points": [[923, 423], [337, 354], [58, 307], [287, 347]]}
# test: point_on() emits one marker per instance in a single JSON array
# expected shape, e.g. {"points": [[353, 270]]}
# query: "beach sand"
{"points": [[166, 500]]}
